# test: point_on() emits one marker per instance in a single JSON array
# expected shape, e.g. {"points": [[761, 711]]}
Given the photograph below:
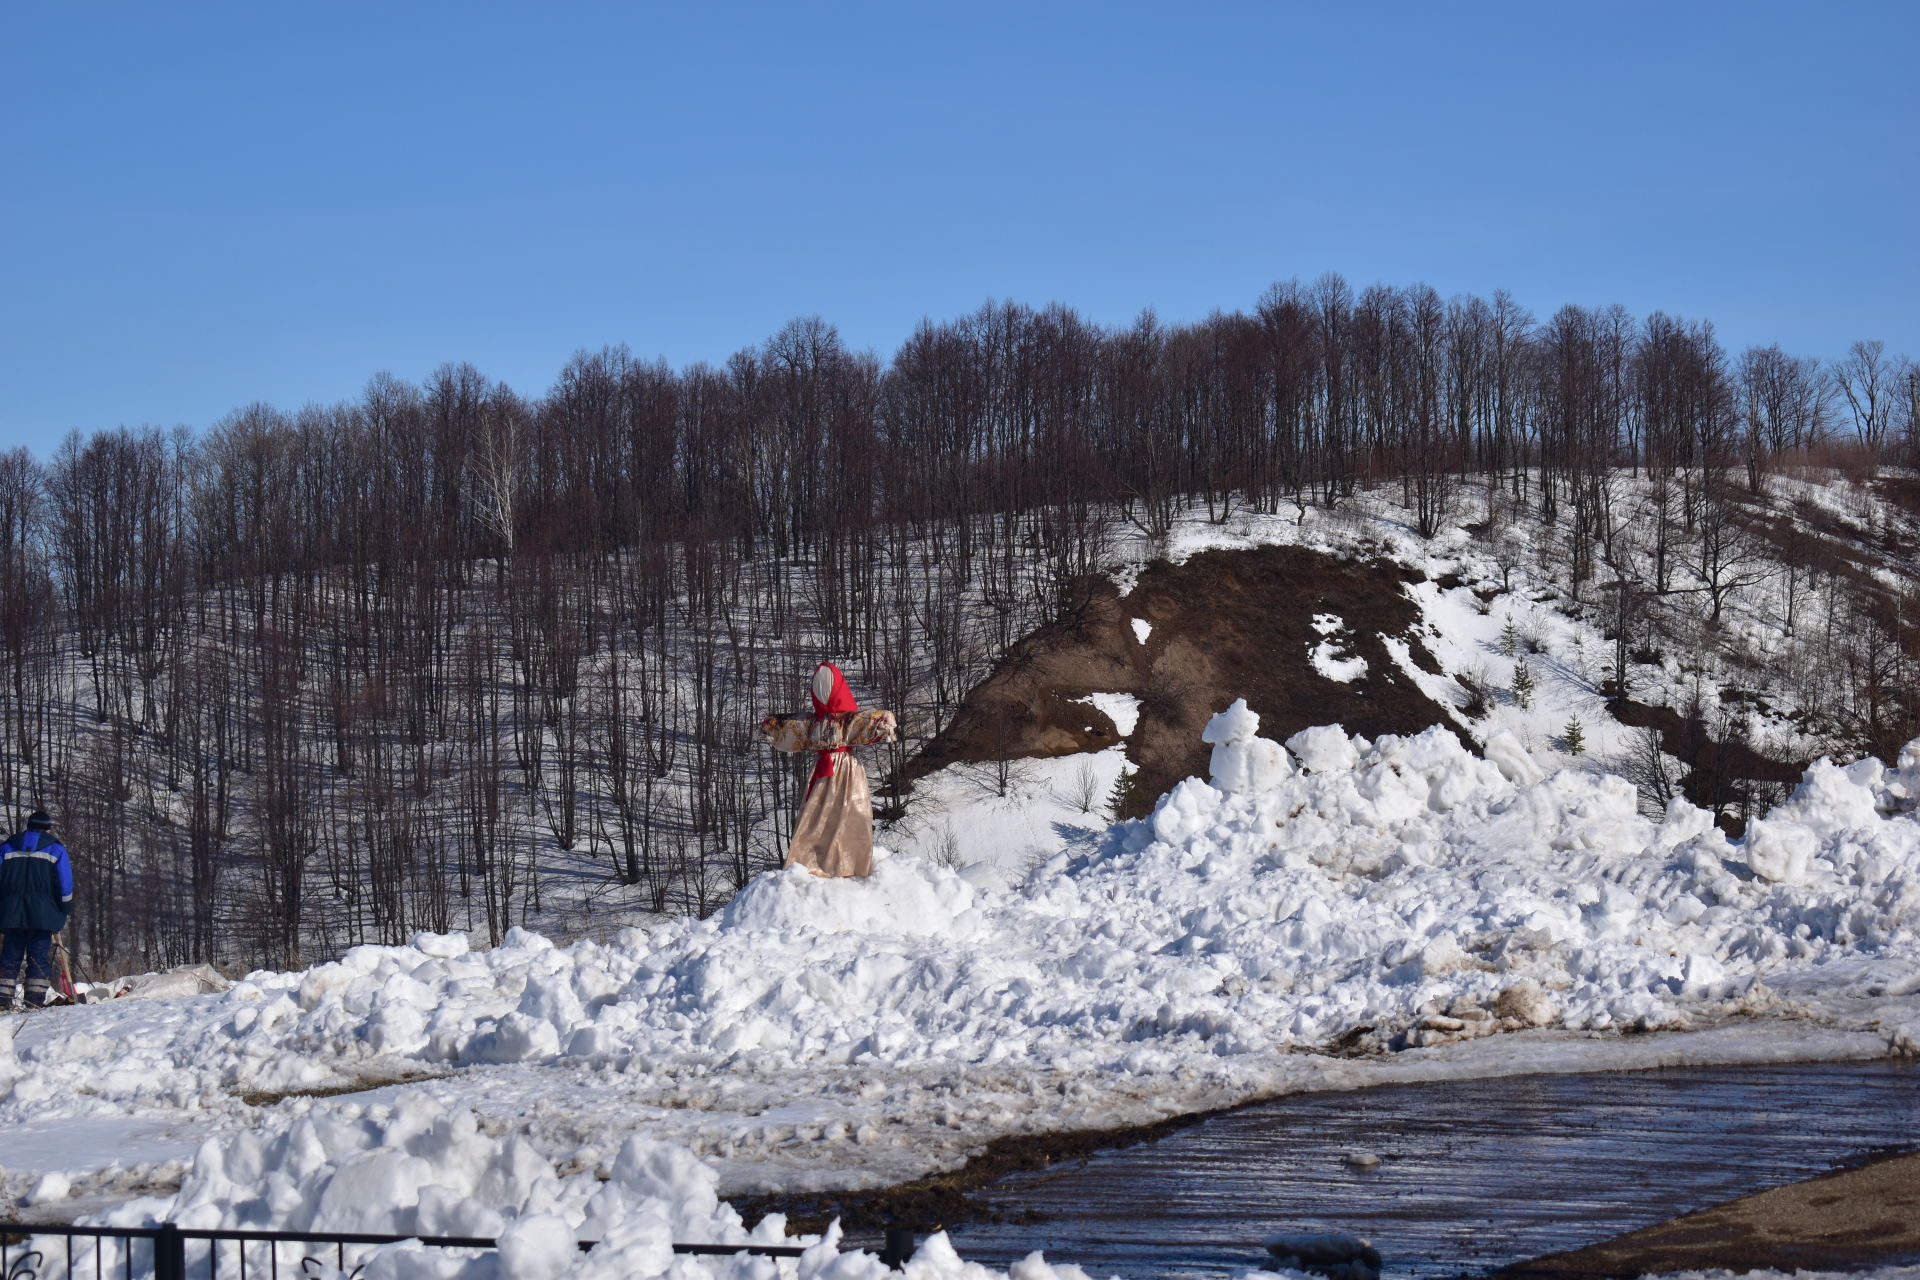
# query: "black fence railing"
{"points": [[169, 1252]]}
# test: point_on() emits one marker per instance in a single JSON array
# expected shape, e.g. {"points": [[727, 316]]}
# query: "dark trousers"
{"points": [[35, 947]]}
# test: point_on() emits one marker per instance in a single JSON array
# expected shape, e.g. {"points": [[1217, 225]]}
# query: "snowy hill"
{"points": [[1350, 615], [1484, 872], [290, 764], [1327, 913]]}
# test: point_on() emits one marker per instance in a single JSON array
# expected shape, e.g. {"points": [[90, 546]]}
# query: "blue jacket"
{"points": [[36, 883]]}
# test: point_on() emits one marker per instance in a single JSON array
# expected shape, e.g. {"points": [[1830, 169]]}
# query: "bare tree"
{"points": [[1865, 378]]}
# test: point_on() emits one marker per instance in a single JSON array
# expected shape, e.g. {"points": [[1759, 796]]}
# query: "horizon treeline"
{"points": [[417, 660]]}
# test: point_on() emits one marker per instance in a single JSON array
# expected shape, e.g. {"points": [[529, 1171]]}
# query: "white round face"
{"points": [[822, 683]]}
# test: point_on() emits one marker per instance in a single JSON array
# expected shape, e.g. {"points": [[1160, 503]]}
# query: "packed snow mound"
{"points": [[1242, 760], [417, 1167], [1405, 886], [898, 897]]}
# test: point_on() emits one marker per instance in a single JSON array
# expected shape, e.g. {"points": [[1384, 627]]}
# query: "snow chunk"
{"points": [[1142, 629], [539, 1247], [1238, 723], [1241, 760], [1505, 753], [515, 1038], [1779, 849], [1526, 1002], [1831, 800], [1121, 708], [52, 1188], [441, 946], [1325, 748], [1903, 780], [1184, 811]]}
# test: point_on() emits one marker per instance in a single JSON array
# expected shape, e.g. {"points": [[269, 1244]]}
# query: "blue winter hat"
{"points": [[38, 820]]}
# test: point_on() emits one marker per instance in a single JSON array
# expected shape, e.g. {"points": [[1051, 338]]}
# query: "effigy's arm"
{"points": [[786, 733], [870, 727], [834, 733]]}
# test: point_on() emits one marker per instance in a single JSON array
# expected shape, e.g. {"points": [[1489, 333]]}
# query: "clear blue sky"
{"points": [[207, 204]]}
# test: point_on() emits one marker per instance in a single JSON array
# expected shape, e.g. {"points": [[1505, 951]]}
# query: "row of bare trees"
{"points": [[447, 656]]}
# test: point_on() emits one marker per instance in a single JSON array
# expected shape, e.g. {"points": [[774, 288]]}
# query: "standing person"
{"points": [[834, 836], [36, 896]]}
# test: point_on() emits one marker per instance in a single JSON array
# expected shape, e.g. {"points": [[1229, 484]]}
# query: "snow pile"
{"points": [[1325, 893], [1405, 885], [1242, 760], [415, 1167]]}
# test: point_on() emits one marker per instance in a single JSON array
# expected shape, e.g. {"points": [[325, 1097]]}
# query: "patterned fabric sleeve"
{"points": [[800, 733], [785, 733], [870, 727], [829, 734]]}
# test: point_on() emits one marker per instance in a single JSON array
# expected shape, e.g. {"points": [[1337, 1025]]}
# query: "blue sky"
{"points": [[209, 204]]}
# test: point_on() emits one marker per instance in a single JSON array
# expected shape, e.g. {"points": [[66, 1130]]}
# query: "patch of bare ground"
{"points": [[1812, 537], [1717, 764], [1855, 1217], [1225, 625], [268, 1097], [1230, 624], [1902, 492]]}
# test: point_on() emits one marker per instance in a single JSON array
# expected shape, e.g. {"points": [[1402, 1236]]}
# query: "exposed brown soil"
{"points": [[1229, 624], [1815, 538], [1225, 625], [1902, 491], [1865, 1215], [1717, 764], [1678, 733], [266, 1098]]}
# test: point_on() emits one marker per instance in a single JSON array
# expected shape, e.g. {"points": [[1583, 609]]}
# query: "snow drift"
{"points": [[1327, 891], [1307, 890], [415, 1167]]}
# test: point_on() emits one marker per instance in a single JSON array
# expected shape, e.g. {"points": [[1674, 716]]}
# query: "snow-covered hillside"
{"points": [[1329, 913], [1502, 640]]}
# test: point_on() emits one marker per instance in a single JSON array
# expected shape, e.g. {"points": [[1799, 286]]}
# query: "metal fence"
{"points": [[168, 1252]]}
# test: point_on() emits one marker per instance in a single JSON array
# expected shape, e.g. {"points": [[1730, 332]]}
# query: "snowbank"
{"points": [[416, 1167], [1388, 895]]}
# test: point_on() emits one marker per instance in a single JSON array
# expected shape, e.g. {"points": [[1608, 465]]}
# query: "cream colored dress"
{"points": [[834, 836]]}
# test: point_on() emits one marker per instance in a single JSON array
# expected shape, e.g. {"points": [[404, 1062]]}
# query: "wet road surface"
{"points": [[1472, 1174]]}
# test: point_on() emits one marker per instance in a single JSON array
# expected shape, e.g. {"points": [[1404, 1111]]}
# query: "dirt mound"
{"points": [[1224, 625], [1845, 1219]]}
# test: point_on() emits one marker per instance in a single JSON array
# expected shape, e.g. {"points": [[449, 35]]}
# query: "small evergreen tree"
{"points": [[1522, 685], [1575, 736], [1509, 638]]}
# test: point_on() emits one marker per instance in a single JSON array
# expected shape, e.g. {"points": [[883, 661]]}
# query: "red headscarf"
{"points": [[839, 701]]}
